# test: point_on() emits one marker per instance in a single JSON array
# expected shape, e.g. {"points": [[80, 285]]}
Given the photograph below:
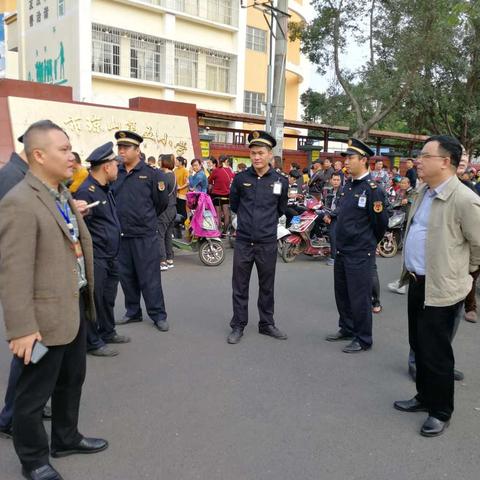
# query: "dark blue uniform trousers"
{"points": [[353, 294], [107, 276], [139, 261], [264, 256]]}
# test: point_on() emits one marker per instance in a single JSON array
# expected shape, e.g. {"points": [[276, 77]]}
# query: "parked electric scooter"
{"points": [[300, 241], [392, 241], [202, 234]]}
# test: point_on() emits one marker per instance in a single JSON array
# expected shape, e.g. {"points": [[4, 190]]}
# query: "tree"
{"points": [[403, 37], [446, 98]]}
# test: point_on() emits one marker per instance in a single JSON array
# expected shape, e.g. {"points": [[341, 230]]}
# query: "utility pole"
{"points": [[279, 74], [276, 17]]}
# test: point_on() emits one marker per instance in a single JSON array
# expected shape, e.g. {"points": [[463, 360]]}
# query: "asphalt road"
{"points": [[185, 405]]}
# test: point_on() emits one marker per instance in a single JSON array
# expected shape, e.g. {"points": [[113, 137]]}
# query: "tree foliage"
{"points": [[422, 73]]}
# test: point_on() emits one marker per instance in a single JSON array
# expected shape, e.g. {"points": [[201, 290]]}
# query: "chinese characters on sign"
{"points": [[97, 125]]}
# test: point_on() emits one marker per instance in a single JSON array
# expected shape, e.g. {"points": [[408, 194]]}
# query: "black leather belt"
{"points": [[416, 277]]}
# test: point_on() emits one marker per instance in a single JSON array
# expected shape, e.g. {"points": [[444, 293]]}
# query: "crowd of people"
{"points": [[63, 256]]}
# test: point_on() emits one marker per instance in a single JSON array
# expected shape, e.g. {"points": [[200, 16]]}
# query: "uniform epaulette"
{"points": [[91, 188], [372, 184]]}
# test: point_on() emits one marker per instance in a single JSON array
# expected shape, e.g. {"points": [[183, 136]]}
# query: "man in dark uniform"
{"points": [[259, 197], [104, 227], [361, 222], [141, 195]]}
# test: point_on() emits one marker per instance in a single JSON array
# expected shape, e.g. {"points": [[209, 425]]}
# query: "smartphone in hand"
{"points": [[38, 352]]}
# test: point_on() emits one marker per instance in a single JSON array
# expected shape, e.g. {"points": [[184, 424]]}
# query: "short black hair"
{"points": [[182, 160], [77, 158], [336, 174], [450, 146], [151, 159], [40, 126]]}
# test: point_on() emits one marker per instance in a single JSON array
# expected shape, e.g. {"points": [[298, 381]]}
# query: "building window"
{"points": [[61, 8], [256, 39], [105, 50], [220, 11], [147, 56], [186, 66], [253, 102], [218, 72]]}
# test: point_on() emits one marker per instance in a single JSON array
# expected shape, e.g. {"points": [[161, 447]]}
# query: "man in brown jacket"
{"points": [[46, 290]]}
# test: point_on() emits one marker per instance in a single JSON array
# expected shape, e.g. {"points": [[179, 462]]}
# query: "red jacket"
{"points": [[221, 179]]}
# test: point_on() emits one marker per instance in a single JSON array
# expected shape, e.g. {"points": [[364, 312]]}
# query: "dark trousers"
{"points": [[264, 256], [166, 224], [333, 238], [59, 374], [139, 261], [6, 415], [353, 295], [471, 300], [430, 332], [107, 276], [375, 286]]}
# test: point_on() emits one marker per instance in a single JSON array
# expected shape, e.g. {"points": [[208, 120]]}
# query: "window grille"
{"points": [[186, 66], [218, 72], [147, 56], [105, 50]]}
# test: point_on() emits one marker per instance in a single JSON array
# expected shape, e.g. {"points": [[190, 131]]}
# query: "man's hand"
{"points": [[81, 207], [327, 219], [22, 346], [404, 201]]}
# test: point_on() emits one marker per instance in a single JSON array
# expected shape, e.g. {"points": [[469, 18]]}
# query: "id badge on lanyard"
{"points": [[277, 188], [362, 200]]}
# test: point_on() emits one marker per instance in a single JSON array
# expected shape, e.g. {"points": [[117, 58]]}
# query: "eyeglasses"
{"points": [[427, 156]]}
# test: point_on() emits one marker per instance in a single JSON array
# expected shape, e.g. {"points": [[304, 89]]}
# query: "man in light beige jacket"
{"points": [[46, 290], [442, 246]]}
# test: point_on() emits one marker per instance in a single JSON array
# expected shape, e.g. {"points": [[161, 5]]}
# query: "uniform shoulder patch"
{"points": [[161, 186], [372, 184], [91, 188]]}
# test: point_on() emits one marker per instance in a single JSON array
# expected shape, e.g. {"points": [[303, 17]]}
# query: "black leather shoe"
{"points": [[47, 413], [6, 432], [272, 331], [162, 325], [235, 336], [45, 472], [338, 337], [354, 347], [103, 351], [118, 339], [458, 375], [433, 427], [412, 405], [126, 320], [86, 445]]}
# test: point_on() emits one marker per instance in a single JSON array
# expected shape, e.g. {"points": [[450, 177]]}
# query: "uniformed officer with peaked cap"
{"points": [[104, 226], [361, 223], [141, 195], [259, 197]]}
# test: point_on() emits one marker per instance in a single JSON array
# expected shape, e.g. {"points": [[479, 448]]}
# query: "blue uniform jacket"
{"points": [[141, 196], [102, 221], [256, 206], [359, 228]]}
